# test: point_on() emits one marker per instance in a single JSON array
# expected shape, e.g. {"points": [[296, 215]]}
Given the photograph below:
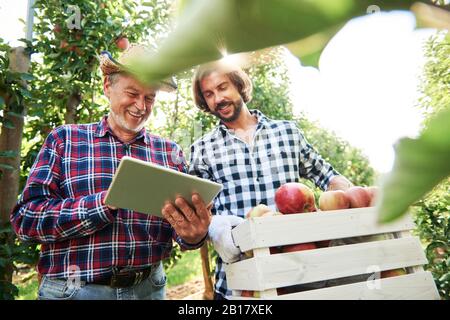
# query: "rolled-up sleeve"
{"points": [[312, 166]]}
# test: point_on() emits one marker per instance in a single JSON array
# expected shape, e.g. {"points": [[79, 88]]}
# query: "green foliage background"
{"points": [[432, 213]]}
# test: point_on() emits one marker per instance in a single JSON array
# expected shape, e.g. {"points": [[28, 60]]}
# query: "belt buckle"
{"points": [[128, 278], [121, 279]]}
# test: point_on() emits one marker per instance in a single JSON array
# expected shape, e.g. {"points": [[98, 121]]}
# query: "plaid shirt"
{"points": [[251, 174], [62, 207]]}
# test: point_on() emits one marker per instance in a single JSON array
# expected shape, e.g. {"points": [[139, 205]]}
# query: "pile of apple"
{"points": [[294, 198]]}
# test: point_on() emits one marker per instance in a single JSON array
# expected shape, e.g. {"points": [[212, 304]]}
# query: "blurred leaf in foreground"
{"points": [[206, 30], [420, 164]]}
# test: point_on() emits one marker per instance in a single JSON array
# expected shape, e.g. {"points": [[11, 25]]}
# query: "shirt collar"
{"points": [[103, 128], [262, 120]]}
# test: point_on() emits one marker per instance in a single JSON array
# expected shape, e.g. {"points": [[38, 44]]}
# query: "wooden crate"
{"points": [[265, 272]]}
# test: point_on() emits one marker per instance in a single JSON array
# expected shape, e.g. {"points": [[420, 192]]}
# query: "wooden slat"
{"points": [[406, 234], [416, 286], [280, 270], [309, 227], [271, 292]]}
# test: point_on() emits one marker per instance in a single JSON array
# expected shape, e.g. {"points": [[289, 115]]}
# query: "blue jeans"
{"points": [[152, 288]]}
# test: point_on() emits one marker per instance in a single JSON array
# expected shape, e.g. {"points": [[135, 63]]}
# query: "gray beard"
{"points": [[122, 123]]}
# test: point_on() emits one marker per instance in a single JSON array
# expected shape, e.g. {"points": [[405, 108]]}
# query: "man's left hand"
{"points": [[191, 224]]}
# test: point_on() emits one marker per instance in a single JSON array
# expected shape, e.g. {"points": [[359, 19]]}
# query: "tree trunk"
{"points": [[173, 126], [209, 292], [71, 110], [11, 140]]}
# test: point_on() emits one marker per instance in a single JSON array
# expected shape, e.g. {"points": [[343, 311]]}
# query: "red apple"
{"points": [[259, 211], [122, 43], [78, 35], [295, 197], [281, 291], [247, 293], [323, 243], [333, 200], [57, 28], [298, 247], [275, 250], [358, 196], [64, 45], [373, 193], [392, 273]]}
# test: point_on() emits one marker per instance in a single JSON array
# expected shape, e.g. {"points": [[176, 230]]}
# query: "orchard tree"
{"points": [[432, 213], [65, 88], [68, 38]]}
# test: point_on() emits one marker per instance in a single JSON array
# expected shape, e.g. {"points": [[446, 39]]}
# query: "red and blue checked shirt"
{"points": [[62, 206]]}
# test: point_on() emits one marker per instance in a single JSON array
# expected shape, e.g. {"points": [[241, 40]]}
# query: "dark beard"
{"points": [[236, 112]]}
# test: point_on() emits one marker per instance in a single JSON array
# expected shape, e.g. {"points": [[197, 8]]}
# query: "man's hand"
{"points": [[221, 237], [191, 224]]}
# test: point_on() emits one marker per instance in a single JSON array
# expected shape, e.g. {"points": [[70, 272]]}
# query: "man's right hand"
{"points": [[221, 237]]}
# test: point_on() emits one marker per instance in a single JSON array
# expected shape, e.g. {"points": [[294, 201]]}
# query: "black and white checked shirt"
{"points": [[251, 174]]}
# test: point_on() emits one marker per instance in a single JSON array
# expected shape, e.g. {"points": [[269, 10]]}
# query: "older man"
{"points": [[90, 250]]}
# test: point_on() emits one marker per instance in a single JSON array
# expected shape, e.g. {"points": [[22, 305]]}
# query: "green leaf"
{"points": [[15, 114], [8, 124], [26, 76], [445, 277], [2, 102], [6, 166], [205, 29], [8, 154], [25, 93], [420, 164]]}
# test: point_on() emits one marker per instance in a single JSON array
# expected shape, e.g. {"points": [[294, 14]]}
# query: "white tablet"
{"points": [[145, 187]]}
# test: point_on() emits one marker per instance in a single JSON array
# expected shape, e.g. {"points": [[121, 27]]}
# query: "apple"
{"points": [[247, 293], [78, 35], [392, 273], [373, 193], [323, 243], [358, 196], [275, 250], [64, 45], [298, 247], [281, 291], [258, 211], [122, 43], [333, 200], [57, 28], [294, 197]]}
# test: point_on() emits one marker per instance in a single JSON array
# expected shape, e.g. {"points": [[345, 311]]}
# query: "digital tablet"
{"points": [[145, 187]]}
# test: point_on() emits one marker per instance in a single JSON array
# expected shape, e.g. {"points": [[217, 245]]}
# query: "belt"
{"points": [[125, 278]]}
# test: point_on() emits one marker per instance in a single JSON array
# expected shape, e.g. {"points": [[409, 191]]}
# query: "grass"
{"points": [[187, 268], [28, 290]]}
